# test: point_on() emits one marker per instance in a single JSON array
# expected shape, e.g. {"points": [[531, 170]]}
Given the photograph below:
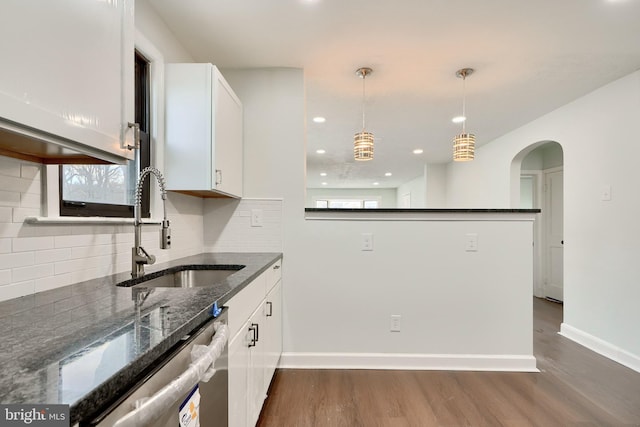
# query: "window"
{"points": [[108, 190], [347, 204]]}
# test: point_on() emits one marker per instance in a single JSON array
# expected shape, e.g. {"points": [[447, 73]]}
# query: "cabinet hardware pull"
{"points": [[218, 176], [275, 267], [253, 339], [136, 136], [257, 330], [270, 309]]}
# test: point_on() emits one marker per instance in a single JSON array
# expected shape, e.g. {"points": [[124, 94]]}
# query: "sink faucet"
{"points": [[140, 257]]}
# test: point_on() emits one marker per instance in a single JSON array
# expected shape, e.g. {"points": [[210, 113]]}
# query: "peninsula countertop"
{"points": [[86, 343]]}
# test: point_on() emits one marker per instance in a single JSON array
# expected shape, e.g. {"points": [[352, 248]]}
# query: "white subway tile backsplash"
{"points": [[53, 255], [5, 246], [28, 200], [29, 170], [35, 258], [20, 185], [52, 282], [5, 277], [15, 260], [32, 243], [17, 289], [9, 167], [32, 272], [19, 214], [10, 198], [83, 240], [228, 226], [91, 251], [6, 214], [93, 273], [71, 266]]}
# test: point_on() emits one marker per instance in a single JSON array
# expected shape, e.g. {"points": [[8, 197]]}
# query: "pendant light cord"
{"points": [[464, 101], [364, 76]]}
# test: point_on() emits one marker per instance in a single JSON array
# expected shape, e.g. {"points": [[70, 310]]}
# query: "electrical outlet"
{"points": [[367, 242], [471, 243], [395, 322], [256, 217], [605, 193]]}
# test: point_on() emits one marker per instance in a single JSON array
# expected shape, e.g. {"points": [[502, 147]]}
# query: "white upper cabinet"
{"points": [[66, 80], [203, 132]]}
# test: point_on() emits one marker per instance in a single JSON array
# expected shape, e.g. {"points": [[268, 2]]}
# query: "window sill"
{"points": [[92, 220]]}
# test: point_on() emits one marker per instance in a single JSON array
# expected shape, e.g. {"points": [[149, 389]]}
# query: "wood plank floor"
{"points": [[575, 387]]}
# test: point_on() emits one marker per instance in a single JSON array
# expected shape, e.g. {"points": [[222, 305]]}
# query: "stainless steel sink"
{"points": [[185, 276]]}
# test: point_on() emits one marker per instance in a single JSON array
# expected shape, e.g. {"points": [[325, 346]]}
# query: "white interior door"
{"points": [[554, 235], [405, 200]]}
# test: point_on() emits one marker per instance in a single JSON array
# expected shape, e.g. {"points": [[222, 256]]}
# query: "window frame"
{"points": [[142, 85], [362, 201]]}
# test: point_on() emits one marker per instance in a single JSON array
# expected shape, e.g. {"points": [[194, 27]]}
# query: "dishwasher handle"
{"points": [[148, 409]]}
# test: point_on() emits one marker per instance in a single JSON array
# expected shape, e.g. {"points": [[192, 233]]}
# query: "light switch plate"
{"points": [[256, 217], [395, 323], [605, 193], [471, 242], [367, 241]]}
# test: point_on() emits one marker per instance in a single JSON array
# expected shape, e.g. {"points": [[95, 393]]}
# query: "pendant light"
{"points": [[363, 141], [464, 143]]}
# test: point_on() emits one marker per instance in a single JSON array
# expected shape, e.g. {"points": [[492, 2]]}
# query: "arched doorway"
{"points": [[537, 182]]}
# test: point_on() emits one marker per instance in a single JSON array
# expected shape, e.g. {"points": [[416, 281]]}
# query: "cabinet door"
{"points": [[228, 137], [256, 388], [273, 332], [203, 132], [238, 377], [188, 127], [67, 73]]}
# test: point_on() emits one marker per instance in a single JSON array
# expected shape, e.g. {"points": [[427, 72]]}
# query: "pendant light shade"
{"points": [[464, 143], [363, 141], [363, 146], [464, 147]]}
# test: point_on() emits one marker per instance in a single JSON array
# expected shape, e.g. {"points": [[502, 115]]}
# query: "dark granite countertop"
{"points": [[419, 210], [86, 343]]}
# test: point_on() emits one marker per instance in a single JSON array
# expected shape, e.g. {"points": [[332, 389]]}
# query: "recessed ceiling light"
{"points": [[321, 151], [319, 119], [388, 174], [323, 174], [376, 183], [324, 183], [418, 151], [458, 119]]}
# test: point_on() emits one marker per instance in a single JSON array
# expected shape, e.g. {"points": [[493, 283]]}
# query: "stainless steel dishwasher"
{"points": [[158, 399]]}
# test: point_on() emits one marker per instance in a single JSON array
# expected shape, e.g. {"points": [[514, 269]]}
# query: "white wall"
{"points": [[600, 253], [229, 228], [436, 185], [427, 190], [386, 196], [546, 156], [153, 27], [39, 257], [338, 299], [417, 189]]}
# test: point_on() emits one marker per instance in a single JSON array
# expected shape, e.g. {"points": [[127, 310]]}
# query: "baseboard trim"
{"points": [[601, 346], [401, 361]]}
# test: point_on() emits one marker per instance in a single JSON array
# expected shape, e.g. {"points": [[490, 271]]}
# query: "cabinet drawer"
{"points": [[245, 302], [274, 274]]}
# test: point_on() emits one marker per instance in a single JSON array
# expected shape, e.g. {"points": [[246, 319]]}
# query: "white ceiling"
{"points": [[530, 57]]}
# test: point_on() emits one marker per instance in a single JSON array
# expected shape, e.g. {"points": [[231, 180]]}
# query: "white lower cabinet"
{"points": [[255, 349], [238, 377], [256, 391], [273, 330]]}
